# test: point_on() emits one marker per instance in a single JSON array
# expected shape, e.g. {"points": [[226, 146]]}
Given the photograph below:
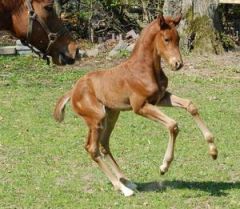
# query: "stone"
{"points": [[8, 50], [122, 45], [130, 47], [92, 52], [132, 34], [82, 53]]}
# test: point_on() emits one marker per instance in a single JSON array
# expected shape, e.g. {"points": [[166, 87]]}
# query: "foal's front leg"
{"points": [[174, 101], [152, 112]]}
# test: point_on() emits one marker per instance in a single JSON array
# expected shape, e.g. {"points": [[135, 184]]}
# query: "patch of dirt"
{"points": [[225, 65], [94, 63], [220, 66]]}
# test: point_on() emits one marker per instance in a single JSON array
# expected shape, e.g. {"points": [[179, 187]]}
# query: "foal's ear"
{"points": [[161, 21], [177, 20]]}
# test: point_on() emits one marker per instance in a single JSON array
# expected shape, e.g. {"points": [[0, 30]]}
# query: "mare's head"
{"points": [[167, 41], [36, 22]]}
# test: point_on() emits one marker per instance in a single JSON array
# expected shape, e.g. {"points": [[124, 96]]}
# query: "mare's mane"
{"points": [[10, 4]]}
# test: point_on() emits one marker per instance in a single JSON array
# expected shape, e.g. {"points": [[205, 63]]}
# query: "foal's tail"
{"points": [[60, 106]]}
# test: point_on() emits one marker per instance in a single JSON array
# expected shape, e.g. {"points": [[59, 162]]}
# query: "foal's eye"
{"points": [[166, 40], [49, 8]]}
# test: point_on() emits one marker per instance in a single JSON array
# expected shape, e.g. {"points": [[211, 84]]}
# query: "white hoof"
{"points": [[163, 169], [126, 191]]}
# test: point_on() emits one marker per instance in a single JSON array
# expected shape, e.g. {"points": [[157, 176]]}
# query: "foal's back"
{"points": [[110, 87]]}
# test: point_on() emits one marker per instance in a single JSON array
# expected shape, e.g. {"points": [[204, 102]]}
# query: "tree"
{"points": [[200, 25], [101, 18], [58, 6]]}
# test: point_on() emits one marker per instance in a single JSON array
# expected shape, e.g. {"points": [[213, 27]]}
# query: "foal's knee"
{"points": [[93, 151], [104, 150], [173, 127], [192, 109]]}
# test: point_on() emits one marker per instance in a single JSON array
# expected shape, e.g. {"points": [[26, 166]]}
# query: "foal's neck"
{"points": [[145, 50]]}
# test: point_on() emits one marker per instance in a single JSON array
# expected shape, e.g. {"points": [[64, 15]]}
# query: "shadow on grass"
{"points": [[213, 188]]}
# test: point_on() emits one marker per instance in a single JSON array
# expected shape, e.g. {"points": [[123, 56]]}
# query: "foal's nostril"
{"points": [[178, 65]]}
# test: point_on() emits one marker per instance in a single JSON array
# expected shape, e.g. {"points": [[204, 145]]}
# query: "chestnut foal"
{"points": [[139, 84]]}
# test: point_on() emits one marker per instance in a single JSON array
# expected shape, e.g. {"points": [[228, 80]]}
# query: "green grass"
{"points": [[43, 164]]}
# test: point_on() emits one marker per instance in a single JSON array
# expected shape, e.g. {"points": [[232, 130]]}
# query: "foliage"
{"points": [[43, 164], [101, 18], [227, 41]]}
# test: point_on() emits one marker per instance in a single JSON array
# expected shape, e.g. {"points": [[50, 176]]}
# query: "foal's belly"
{"points": [[118, 104]]}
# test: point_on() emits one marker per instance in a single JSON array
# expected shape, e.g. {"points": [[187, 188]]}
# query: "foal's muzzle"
{"points": [[178, 65]]}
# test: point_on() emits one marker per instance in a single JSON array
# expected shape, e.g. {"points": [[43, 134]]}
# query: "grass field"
{"points": [[43, 164]]}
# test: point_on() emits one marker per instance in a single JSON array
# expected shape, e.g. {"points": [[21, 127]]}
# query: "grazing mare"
{"points": [[36, 24], [138, 84]]}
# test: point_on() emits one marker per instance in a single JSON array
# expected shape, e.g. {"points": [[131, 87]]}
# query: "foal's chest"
{"points": [[162, 84], [162, 81]]}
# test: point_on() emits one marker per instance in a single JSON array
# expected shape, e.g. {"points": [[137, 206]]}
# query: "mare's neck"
{"points": [[7, 9]]}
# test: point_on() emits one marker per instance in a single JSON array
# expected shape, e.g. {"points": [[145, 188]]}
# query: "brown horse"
{"points": [[35, 23], [139, 84]]}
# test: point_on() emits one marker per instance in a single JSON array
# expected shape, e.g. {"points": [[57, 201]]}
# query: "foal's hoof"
{"points": [[214, 156], [126, 191], [214, 153], [163, 169]]}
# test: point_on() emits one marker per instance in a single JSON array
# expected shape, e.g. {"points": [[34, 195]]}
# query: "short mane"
{"points": [[151, 28]]}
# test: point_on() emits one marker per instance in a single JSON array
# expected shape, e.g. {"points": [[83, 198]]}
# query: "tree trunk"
{"points": [[58, 7], [145, 13], [172, 7], [199, 26]]}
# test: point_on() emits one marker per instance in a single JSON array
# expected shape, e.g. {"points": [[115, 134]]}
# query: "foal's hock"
{"points": [[138, 84]]}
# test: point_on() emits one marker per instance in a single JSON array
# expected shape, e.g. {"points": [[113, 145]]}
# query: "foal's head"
{"points": [[167, 41], [46, 28]]}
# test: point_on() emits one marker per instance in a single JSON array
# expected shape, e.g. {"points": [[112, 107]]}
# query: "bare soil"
{"points": [[226, 65]]}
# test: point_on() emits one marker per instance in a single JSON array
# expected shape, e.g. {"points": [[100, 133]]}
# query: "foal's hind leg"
{"points": [[93, 112], [109, 123], [92, 148], [174, 101]]}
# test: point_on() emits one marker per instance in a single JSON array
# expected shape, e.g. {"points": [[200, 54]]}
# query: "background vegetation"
{"points": [[204, 21], [101, 18]]}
